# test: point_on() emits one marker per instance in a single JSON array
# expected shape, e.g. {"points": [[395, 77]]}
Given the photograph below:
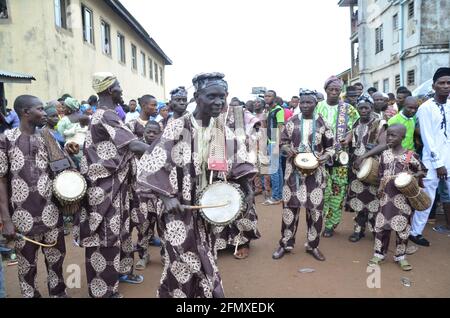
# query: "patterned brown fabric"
{"points": [[362, 197], [175, 168]]}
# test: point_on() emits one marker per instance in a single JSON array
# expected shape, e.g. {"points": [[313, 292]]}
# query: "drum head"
{"points": [[403, 179], [218, 193], [306, 161], [365, 169], [69, 186], [343, 158]]}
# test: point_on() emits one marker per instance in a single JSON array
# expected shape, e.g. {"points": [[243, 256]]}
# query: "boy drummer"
{"points": [[304, 133], [147, 208], [362, 199], [395, 209]]}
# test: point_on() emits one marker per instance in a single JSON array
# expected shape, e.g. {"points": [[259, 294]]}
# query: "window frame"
{"points": [[134, 62], [413, 82], [376, 85], [143, 62], [386, 80], [83, 23], [156, 72], [379, 41], [161, 76], [411, 10], [397, 80], [103, 22], [8, 11], [150, 68], [65, 25], [121, 49]]}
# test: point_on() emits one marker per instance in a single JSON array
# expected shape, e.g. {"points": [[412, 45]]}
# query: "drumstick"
{"points": [[20, 236], [198, 207]]}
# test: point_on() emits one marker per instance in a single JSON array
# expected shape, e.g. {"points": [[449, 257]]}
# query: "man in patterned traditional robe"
{"points": [[340, 117], [177, 171], [305, 133], [103, 225], [368, 132], [26, 174]]}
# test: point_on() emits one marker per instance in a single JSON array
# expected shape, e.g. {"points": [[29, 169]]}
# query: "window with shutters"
{"points": [[411, 10], [411, 78], [397, 81], [379, 39]]}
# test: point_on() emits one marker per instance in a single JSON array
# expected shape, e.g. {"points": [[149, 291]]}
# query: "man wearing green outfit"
{"points": [[341, 117]]}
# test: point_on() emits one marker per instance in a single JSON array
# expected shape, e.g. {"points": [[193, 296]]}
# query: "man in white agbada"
{"points": [[434, 117]]}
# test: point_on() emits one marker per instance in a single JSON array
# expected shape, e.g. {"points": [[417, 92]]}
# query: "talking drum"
{"points": [[69, 187], [306, 163], [408, 185], [217, 193], [369, 172]]}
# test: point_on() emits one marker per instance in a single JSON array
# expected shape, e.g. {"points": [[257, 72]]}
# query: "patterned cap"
{"points": [[308, 92], [179, 92], [365, 98], [204, 80]]}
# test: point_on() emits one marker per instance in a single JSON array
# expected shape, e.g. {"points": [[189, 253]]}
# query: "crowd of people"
{"points": [[147, 163]]}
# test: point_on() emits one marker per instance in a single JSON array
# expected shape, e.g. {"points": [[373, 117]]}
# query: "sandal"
{"points": [[142, 263], [375, 261], [405, 265], [242, 252], [131, 279]]}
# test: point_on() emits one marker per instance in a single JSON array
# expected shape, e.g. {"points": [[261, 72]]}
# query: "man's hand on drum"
{"points": [[324, 158], [289, 151], [357, 163], [442, 173], [172, 205], [72, 148]]}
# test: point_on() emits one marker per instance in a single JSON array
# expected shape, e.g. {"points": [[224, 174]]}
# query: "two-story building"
{"points": [[397, 42], [63, 42]]}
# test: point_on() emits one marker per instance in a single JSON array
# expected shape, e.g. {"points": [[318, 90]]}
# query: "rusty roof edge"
{"points": [[9, 74]]}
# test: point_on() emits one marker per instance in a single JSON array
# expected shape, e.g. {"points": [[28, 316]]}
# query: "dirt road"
{"points": [[343, 274]]}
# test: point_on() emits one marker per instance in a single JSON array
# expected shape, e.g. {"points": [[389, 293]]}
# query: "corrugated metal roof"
{"points": [[120, 9], [15, 75]]}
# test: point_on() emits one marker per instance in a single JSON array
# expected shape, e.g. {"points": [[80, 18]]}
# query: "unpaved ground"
{"points": [[343, 274]]}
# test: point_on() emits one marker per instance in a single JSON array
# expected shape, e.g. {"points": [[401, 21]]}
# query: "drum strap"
{"points": [[342, 121], [217, 158], [409, 155], [312, 145], [58, 159]]}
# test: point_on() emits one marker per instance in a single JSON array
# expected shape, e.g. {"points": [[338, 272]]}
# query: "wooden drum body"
{"points": [[408, 185], [306, 163], [369, 172], [69, 187]]}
